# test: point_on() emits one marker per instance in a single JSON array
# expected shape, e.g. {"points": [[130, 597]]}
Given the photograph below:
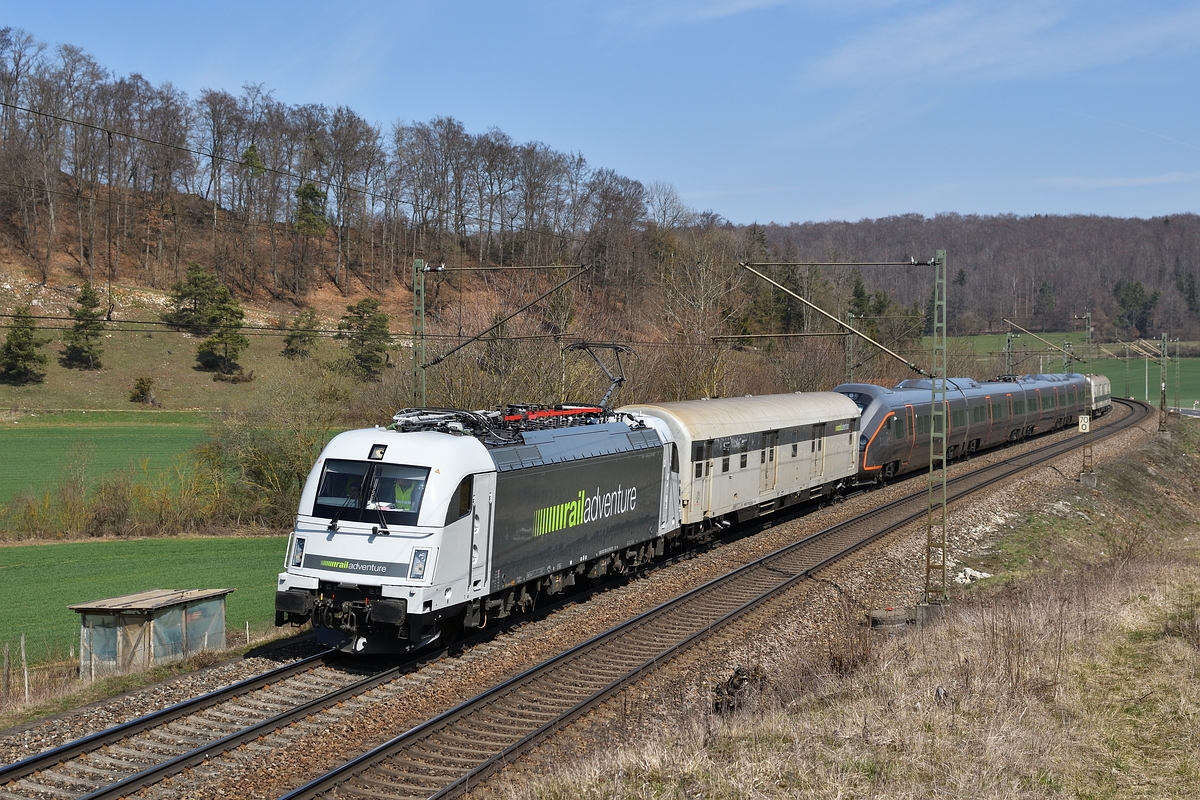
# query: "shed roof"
{"points": [[147, 601]]}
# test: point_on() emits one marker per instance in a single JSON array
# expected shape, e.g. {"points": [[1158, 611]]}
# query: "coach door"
{"points": [[702, 463], [817, 450], [910, 432], [769, 466], [481, 531]]}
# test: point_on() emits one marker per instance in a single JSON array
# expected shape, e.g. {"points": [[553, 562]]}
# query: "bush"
{"points": [[143, 391]]}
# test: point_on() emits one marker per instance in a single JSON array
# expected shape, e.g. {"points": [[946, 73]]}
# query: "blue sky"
{"points": [[759, 110]]}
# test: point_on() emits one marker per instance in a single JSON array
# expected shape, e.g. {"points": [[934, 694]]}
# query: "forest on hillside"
{"points": [[108, 179]]}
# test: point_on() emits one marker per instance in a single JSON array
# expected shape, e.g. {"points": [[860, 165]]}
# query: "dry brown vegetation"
{"points": [[1073, 673]]}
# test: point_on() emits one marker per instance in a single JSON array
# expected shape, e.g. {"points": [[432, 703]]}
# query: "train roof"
{"points": [[729, 416], [517, 437]]}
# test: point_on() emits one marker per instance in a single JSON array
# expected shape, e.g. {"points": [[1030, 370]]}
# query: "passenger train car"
{"points": [[896, 422], [449, 518]]}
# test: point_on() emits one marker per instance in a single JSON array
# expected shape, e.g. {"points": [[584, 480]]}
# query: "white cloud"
{"points": [[976, 40]]}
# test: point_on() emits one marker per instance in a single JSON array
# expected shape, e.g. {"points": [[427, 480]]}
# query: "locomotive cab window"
{"points": [[359, 491], [460, 501]]}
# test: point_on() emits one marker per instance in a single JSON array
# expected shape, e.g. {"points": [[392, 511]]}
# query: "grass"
{"points": [[43, 579], [167, 357], [39, 449]]}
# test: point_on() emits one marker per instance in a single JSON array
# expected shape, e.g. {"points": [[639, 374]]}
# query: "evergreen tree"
{"points": [[302, 335], [1187, 288], [310, 212], [1136, 306], [366, 329], [193, 300], [21, 358], [860, 299], [226, 342], [83, 340], [1043, 304]]}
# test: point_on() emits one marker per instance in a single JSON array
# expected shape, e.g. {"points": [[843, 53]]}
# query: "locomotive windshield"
{"points": [[360, 491], [861, 399]]}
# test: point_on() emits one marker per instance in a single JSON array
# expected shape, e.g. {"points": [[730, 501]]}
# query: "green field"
{"points": [[40, 449], [38, 582]]}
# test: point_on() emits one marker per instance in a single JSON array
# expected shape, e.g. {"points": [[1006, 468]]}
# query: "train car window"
{"points": [[699, 453], [460, 501], [699, 469], [959, 418], [979, 414], [997, 412], [899, 427], [762, 457], [724, 463], [675, 459], [795, 449], [1018, 407], [743, 464]]}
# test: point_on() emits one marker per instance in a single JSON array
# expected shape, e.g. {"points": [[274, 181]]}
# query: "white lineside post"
{"points": [[1087, 473], [25, 668], [1162, 385], [935, 539]]}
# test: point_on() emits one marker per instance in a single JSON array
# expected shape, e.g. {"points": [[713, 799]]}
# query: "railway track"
{"points": [[460, 748], [139, 753]]}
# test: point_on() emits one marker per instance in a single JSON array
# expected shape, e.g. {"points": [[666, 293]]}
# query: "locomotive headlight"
{"points": [[419, 560], [298, 552]]}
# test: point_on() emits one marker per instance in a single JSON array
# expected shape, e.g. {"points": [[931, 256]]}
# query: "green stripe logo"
{"points": [[584, 509], [563, 515]]}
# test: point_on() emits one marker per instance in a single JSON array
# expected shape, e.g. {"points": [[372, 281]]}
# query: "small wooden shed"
{"points": [[123, 634]]}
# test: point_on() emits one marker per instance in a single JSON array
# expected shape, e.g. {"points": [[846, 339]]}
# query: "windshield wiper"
{"points": [[383, 528]]}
